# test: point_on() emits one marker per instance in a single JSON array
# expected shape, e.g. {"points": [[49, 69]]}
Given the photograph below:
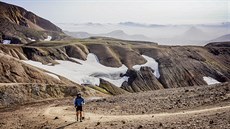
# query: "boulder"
{"points": [[143, 80]]}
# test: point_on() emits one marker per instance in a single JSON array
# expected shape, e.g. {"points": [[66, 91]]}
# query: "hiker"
{"points": [[78, 103]]}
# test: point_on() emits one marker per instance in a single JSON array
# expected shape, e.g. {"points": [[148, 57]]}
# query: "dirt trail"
{"points": [[68, 115]]}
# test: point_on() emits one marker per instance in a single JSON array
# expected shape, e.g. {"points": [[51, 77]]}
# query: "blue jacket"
{"points": [[79, 101]]}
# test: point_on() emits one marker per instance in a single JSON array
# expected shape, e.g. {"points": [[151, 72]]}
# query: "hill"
{"points": [[21, 26], [224, 38]]}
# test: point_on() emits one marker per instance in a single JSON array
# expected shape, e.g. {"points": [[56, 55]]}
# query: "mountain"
{"points": [[133, 24], [80, 35], [21, 26], [223, 38], [118, 34], [193, 33], [133, 66]]}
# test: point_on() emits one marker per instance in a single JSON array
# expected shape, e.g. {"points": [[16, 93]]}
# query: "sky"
{"points": [[140, 11]]}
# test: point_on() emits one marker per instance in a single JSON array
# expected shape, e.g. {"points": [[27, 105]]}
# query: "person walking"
{"points": [[78, 104]]}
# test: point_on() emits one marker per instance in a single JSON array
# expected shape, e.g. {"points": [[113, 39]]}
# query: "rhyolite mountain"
{"points": [[179, 66], [21, 26]]}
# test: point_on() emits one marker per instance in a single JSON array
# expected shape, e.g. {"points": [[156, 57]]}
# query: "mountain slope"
{"points": [[178, 66], [223, 38], [193, 33], [20, 16], [21, 26]]}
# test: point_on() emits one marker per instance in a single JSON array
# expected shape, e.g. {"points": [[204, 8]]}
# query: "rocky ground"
{"points": [[191, 107]]}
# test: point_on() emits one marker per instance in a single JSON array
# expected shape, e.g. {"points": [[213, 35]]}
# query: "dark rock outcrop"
{"points": [[218, 44], [143, 80], [112, 89]]}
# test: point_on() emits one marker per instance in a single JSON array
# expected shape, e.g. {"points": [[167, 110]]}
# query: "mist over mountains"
{"points": [[198, 34]]}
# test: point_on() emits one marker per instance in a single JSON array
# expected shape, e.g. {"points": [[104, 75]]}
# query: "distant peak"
{"points": [[117, 32]]}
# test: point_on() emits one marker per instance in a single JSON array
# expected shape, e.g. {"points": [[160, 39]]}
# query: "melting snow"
{"points": [[48, 38], [150, 63], [210, 80], [6, 41], [88, 72], [53, 75], [117, 82], [31, 39]]}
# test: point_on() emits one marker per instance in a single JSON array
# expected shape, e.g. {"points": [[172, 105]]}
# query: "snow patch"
{"points": [[117, 82], [6, 41], [48, 38], [31, 39], [53, 75], [210, 80], [87, 72], [150, 63]]}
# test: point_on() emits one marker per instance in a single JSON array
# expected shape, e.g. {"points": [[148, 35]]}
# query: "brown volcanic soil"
{"points": [[157, 101], [203, 107]]}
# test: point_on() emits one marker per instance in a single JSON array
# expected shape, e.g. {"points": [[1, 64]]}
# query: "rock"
{"points": [[140, 126], [123, 122], [98, 123], [211, 122], [56, 118], [160, 124], [142, 80], [112, 89]]}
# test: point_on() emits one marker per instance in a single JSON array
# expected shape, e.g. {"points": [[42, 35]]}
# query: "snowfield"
{"points": [[89, 72], [150, 63], [210, 80]]}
